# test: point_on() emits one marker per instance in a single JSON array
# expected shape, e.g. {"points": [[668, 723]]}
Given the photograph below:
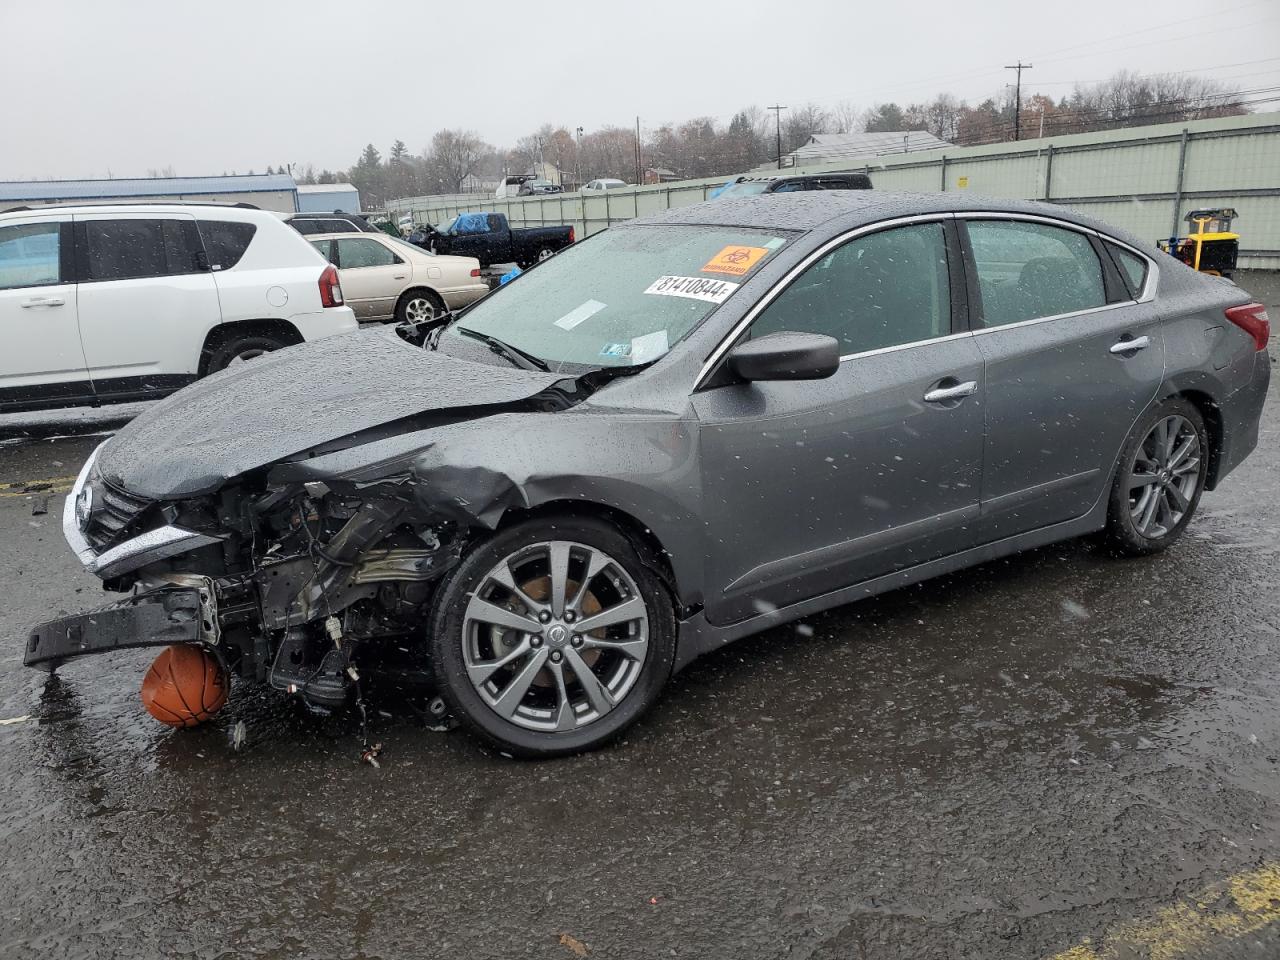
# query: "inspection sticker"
{"points": [[737, 261], [693, 288]]}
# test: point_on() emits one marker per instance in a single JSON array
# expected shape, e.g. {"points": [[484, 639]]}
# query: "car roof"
{"points": [[808, 211], [312, 215], [206, 211], [333, 235]]}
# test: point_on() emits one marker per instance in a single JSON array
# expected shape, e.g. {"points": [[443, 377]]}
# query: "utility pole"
{"points": [[777, 126], [577, 161], [639, 171], [1017, 99]]}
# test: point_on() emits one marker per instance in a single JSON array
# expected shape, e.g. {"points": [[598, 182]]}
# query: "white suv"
{"points": [[112, 303]]}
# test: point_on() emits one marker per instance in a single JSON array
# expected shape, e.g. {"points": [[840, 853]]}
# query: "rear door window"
{"points": [[1028, 270], [30, 255], [225, 241], [354, 253], [124, 249]]}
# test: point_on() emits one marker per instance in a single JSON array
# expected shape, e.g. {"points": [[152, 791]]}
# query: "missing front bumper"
{"points": [[157, 619]]}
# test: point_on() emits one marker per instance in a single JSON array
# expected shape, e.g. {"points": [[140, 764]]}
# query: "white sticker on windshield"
{"points": [[693, 288], [578, 314], [649, 347]]}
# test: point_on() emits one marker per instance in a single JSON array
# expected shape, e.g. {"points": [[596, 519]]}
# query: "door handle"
{"points": [[43, 302], [957, 392], [1130, 346], [399, 276]]}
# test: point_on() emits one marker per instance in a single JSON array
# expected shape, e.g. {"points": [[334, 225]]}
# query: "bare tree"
{"points": [[846, 118], [801, 123], [453, 155]]}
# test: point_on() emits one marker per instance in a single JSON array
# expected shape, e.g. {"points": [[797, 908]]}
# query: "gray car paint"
{"points": [[783, 533]]}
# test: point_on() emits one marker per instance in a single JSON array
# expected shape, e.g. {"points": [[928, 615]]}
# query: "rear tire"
{"points": [[1159, 479], [559, 691], [414, 306], [242, 347]]}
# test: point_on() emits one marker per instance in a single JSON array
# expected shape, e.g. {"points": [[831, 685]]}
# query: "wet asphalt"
{"points": [[999, 763]]}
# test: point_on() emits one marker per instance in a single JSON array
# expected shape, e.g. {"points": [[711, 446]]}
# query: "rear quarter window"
{"points": [[1132, 266], [225, 241]]}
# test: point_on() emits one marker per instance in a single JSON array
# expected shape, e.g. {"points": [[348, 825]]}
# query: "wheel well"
{"points": [[283, 330], [643, 536], [1212, 415], [430, 294]]}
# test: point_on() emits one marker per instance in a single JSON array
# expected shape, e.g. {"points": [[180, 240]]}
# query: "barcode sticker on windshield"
{"points": [[693, 288]]}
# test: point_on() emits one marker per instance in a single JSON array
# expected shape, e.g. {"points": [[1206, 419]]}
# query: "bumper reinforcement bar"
{"points": [[155, 619]]}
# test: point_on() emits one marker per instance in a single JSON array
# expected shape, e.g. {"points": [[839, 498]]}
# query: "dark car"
{"points": [[309, 224], [688, 428], [491, 239], [751, 186]]}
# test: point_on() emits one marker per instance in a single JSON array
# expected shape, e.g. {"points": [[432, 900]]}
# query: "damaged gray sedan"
{"points": [[679, 432]]}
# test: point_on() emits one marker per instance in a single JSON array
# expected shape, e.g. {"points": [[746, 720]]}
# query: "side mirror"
{"points": [[786, 356]]}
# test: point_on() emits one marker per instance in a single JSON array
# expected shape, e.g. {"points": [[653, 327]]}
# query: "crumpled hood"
{"points": [[286, 402]]}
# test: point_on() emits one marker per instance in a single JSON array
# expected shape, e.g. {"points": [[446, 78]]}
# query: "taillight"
{"points": [[475, 272], [1252, 319], [571, 233], [330, 291]]}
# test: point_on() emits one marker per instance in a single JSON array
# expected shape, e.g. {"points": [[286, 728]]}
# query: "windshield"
{"points": [[747, 188], [622, 298]]}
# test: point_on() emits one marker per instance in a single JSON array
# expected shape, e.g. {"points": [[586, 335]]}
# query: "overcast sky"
{"points": [[92, 87]]}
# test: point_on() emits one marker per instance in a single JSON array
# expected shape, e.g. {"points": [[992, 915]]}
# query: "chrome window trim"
{"points": [[776, 290], [982, 331], [1147, 296], [906, 346]]}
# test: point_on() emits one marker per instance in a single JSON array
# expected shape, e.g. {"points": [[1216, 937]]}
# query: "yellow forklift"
{"points": [[1210, 247]]}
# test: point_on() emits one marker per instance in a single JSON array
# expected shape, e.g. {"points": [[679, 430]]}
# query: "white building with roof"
{"points": [[276, 191], [328, 198], [857, 148]]}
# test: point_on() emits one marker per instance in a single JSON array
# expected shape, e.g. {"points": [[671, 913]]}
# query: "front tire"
{"points": [[553, 636], [1159, 479]]}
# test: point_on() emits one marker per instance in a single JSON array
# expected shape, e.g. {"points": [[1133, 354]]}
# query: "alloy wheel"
{"points": [[555, 636], [419, 309], [1162, 482], [545, 254]]}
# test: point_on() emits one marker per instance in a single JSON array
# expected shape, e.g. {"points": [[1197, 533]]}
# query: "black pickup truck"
{"points": [[490, 239]]}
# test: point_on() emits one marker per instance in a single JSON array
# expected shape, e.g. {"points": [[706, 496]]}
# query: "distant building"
{"points": [[275, 191], [838, 147], [545, 170], [660, 175], [328, 197]]}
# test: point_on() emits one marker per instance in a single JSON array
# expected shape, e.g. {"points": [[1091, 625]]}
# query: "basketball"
{"points": [[184, 687]]}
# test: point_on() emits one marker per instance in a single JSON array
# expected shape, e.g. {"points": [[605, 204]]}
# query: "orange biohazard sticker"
{"points": [[736, 261]]}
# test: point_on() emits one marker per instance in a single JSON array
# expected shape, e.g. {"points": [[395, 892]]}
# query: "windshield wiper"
{"points": [[505, 350]]}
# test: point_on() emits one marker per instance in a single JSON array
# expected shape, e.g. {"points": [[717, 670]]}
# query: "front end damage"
{"points": [[288, 584]]}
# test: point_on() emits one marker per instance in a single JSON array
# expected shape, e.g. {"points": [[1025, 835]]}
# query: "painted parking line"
{"points": [[31, 488], [1244, 904]]}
